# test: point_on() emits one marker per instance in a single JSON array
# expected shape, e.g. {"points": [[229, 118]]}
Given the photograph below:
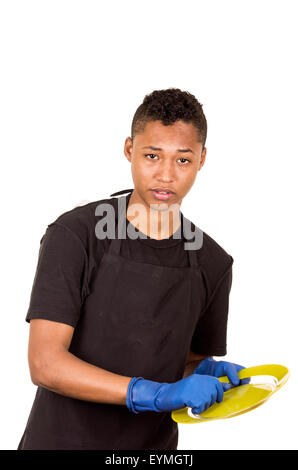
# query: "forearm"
{"points": [[193, 361], [189, 368], [68, 375]]}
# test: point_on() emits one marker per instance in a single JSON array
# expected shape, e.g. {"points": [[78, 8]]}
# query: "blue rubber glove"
{"points": [[196, 391], [221, 368]]}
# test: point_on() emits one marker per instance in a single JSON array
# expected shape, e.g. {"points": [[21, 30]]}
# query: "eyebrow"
{"points": [[157, 148]]}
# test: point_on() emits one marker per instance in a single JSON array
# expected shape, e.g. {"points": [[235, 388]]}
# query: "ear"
{"points": [[202, 159], [128, 148]]}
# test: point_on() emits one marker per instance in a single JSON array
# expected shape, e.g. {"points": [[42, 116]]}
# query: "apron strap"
{"points": [[192, 256], [122, 192]]}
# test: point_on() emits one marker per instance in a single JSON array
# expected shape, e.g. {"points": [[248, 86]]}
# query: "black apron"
{"points": [[138, 320]]}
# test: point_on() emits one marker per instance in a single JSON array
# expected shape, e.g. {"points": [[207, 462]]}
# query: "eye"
{"points": [[186, 159], [150, 154]]}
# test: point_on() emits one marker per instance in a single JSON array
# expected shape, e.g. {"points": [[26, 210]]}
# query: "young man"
{"points": [[123, 328]]}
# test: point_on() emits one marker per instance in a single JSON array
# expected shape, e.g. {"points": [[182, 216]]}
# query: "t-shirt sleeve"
{"points": [[59, 284], [210, 336]]}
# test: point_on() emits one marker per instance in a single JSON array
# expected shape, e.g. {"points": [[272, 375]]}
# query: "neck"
{"points": [[159, 222]]}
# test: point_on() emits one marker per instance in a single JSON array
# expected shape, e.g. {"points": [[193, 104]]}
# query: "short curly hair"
{"points": [[169, 106]]}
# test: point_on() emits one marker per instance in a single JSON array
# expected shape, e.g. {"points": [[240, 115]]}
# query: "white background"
{"points": [[72, 75]]}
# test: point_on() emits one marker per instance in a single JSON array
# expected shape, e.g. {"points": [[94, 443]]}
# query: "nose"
{"points": [[166, 172]]}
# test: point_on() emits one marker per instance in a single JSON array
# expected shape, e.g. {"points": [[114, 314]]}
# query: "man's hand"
{"points": [[198, 392], [221, 368]]}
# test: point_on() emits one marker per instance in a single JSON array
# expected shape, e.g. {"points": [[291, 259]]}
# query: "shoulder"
{"points": [[215, 262], [81, 220], [215, 254], [210, 253]]}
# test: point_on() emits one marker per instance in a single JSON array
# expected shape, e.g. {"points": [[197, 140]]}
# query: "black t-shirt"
{"points": [[70, 255]]}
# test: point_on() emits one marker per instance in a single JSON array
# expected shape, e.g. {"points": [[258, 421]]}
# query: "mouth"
{"points": [[162, 194]]}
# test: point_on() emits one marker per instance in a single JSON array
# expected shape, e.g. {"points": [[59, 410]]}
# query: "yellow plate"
{"points": [[241, 399]]}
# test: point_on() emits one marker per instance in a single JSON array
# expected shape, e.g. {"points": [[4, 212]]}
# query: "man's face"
{"points": [[164, 157]]}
